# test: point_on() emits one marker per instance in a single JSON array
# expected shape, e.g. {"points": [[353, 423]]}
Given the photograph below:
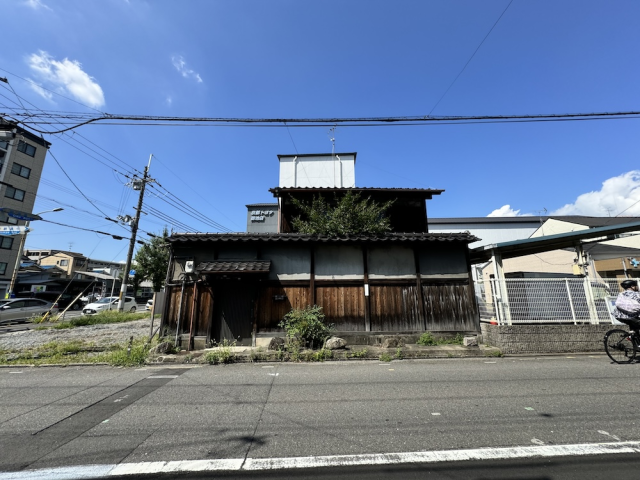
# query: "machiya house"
{"points": [[239, 286]]}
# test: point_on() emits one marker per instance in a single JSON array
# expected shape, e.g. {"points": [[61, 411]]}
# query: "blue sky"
{"points": [[343, 58]]}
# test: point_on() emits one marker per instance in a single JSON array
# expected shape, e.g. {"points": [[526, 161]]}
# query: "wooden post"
{"points": [[193, 315], [212, 316], [367, 306], [312, 278], [421, 310]]}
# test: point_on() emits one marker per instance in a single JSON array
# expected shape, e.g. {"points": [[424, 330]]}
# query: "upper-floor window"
{"points": [[11, 220], [64, 263], [15, 193], [24, 147], [3, 268], [6, 243], [17, 169], [4, 145]]}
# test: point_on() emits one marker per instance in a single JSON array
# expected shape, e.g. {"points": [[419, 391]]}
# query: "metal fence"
{"points": [[545, 300]]}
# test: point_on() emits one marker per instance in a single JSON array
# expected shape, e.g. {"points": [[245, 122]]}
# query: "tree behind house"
{"points": [[152, 260], [350, 215]]}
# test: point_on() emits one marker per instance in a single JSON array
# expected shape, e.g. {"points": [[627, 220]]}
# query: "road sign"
{"points": [[20, 215], [15, 230], [132, 273]]}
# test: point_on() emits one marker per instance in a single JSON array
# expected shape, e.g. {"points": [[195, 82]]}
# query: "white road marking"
{"points": [[615, 437], [536, 441], [162, 376], [15, 372], [435, 413], [274, 374], [62, 473], [237, 464]]}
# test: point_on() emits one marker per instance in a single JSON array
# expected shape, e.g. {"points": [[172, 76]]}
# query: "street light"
{"points": [[21, 249]]}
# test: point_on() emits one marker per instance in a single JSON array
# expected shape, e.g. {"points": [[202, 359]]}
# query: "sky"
{"points": [[322, 59]]}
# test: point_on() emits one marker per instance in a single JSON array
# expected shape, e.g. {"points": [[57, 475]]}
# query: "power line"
{"points": [[73, 183], [78, 120], [182, 205], [470, 58], [50, 91], [193, 191]]}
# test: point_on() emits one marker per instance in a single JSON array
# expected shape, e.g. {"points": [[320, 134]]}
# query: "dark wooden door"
{"points": [[234, 312]]}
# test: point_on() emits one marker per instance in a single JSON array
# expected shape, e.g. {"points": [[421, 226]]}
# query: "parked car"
{"points": [[24, 308], [109, 303], [63, 300], [149, 306]]}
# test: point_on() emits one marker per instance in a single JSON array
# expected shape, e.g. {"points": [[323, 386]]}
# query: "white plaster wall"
{"points": [[318, 171]]}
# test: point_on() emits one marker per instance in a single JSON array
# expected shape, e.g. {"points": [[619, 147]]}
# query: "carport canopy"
{"points": [[530, 246]]}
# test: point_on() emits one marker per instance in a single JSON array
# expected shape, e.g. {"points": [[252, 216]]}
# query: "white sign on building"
{"points": [[13, 230]]}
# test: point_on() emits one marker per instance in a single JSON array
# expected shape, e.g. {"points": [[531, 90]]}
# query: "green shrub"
{"points": [[307, 325], [398, 355]]}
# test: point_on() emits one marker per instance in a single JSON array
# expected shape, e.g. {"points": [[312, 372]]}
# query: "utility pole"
{"points": [[134, 231]]}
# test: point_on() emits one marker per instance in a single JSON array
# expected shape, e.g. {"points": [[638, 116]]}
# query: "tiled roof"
{"points": [[234, 266], [464, 237]]}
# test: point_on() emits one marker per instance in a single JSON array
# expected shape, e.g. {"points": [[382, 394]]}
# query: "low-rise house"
{"points": [[239, 286]]}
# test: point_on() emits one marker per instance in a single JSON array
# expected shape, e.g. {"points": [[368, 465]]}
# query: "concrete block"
{"points": [[470, 341]]}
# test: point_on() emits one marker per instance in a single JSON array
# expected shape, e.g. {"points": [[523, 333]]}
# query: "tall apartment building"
{"points": [[22, 156]]}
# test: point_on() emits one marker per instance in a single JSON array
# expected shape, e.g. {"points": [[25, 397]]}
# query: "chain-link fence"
{"points": [[545, 300]]}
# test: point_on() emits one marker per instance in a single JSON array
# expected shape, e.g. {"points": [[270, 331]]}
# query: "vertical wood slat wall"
{"points": [[342, 305], [448, 305]]}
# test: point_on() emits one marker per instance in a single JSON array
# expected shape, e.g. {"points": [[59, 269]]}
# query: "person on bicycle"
{"points": [[629, 315]]}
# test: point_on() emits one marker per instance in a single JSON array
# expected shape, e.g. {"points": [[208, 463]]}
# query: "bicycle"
{"points": [[621, 345]]}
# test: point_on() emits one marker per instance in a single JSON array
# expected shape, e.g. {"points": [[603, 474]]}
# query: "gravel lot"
{"points": [[101, 335]]}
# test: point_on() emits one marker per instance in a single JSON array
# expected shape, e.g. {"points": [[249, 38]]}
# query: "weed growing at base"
{"points": [[127, 354], [109, 316], [358, 353], [385, 357], [427, 339], [221, 354]]}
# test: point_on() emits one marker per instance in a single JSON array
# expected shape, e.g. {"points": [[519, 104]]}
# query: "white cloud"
{"points": [[168, 100], [41, 91], [181, 66], [36, 4], [66, 77], [504, 211], [618, 196]]}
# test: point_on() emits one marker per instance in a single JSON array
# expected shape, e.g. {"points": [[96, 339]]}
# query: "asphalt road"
{"points": [[55, 417]]}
